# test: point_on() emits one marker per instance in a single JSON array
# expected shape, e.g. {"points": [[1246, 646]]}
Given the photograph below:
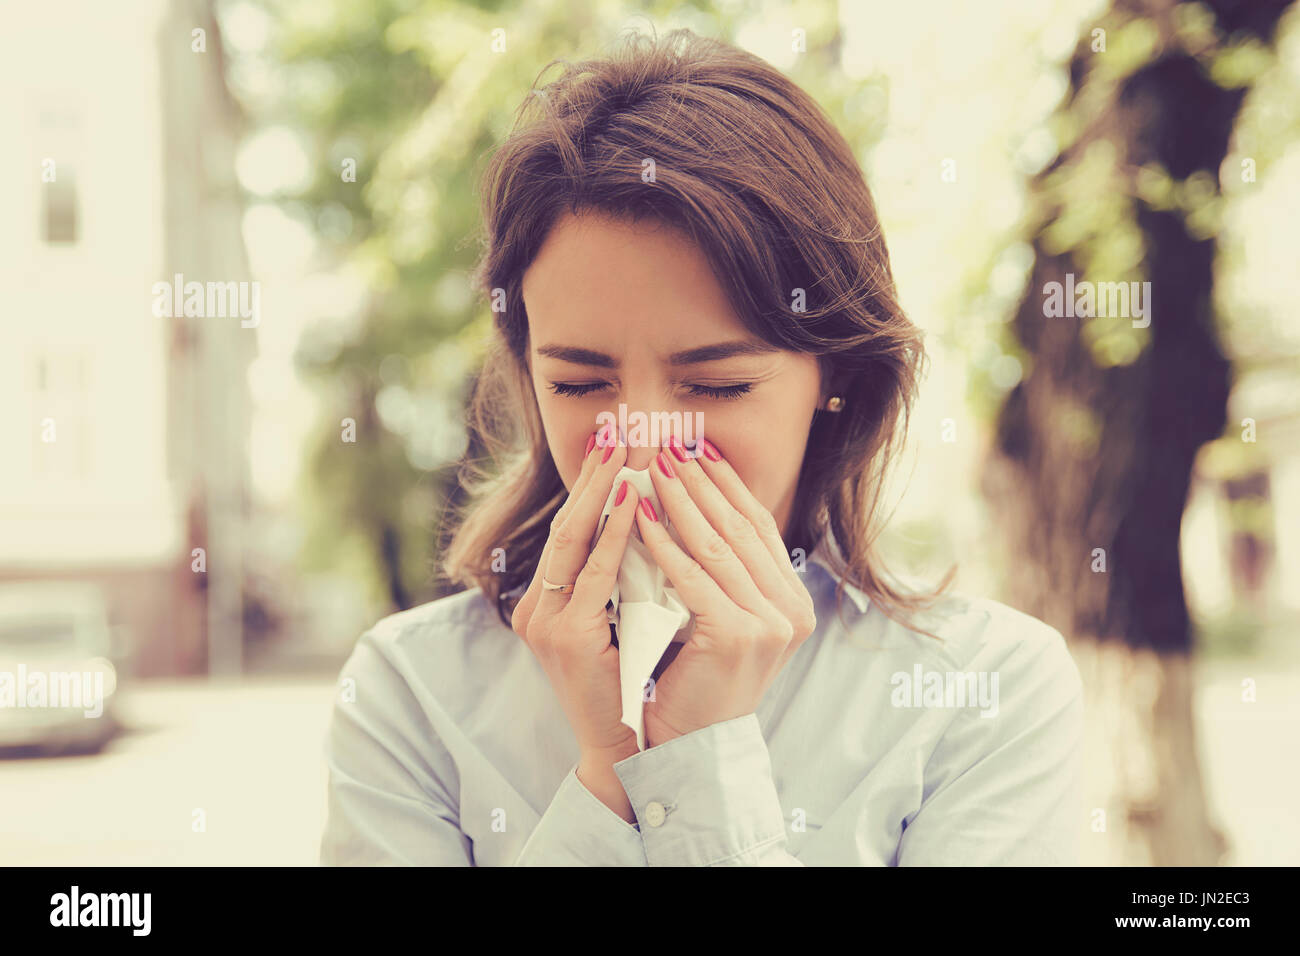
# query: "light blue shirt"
{"points": [[874, 745]]}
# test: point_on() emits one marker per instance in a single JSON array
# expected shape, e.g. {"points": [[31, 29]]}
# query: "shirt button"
{"points": [[654, 813]]}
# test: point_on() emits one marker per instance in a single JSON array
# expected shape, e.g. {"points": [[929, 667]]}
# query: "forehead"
{"points": [[596, 277]]}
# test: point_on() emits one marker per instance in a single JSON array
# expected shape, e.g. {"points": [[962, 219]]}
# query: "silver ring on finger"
{"points": [[562, 588]]}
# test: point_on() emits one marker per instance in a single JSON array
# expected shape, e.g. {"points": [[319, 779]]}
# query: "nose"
{"points": [[641, 457], [648, 429], [646, 409]]}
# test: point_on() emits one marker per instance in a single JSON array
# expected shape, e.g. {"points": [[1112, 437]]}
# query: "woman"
{"points": [[680, 229]]}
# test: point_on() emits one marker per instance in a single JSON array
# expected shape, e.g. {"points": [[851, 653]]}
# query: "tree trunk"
{"points": [[1094, 448]]}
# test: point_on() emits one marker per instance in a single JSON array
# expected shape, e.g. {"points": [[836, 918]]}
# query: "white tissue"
{"points": [[645, 609]]}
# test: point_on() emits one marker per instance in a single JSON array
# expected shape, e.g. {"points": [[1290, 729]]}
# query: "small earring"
{"points": [[834, 404]]}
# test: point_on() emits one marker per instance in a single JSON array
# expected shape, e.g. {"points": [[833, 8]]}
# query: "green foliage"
{"points": [[1235, 632], [1083, 210]]}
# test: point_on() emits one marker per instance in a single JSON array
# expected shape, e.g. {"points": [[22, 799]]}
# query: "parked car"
{"points": [[58, 679]]}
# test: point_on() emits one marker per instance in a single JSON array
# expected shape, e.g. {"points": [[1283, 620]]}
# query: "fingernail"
{"points": [[677, 448], [649, 509], [609, 450], [709, 451], [591, 443], [663, 465], [622, 493]]}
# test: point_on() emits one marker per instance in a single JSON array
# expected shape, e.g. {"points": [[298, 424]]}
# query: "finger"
{"points": [[571, 541], [734, 527], [528, 602], [704, 541], [729, 483], [598, 576], [769, 567], [698, 590]]}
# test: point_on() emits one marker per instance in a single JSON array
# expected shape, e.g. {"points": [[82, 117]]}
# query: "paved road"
{"points": [[1248, 759], [249, 756]]}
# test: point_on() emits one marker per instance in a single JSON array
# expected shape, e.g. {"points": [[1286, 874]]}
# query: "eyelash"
{"points": [[724, 392]]}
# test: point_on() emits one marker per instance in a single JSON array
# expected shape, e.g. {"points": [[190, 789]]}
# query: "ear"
{"points": [[830, 380]]}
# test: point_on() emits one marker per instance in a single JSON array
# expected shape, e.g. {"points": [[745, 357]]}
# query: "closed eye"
{"points": [[722, 391], [704, 391]]}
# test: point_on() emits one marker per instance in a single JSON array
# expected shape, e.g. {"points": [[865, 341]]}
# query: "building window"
{"points": [[59, 133], [59, 218], [61, 431]]}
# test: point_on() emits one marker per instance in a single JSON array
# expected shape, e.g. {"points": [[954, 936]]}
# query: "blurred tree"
{"points": [[1095, 447]]}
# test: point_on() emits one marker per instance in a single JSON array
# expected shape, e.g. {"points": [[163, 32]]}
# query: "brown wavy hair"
{"points": [[750, 168]]}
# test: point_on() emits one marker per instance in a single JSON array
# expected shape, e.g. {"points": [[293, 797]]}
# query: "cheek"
{"points": [[765, 441], [566, 435], [566, 448], [759, 475], [557, 428], [768, 466]]}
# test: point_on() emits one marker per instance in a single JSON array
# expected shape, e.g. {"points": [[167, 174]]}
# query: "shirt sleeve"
{"points": [[578, 829], [707, 798], [393, 791], [1004, 790], [381, 810]]}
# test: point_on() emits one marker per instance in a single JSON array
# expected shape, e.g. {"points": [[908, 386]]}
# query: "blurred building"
{"points": [[1241, 547], [124, 432]]}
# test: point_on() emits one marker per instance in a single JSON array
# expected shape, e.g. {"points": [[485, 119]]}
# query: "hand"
{"points": [[569, 633], [752, 611]]}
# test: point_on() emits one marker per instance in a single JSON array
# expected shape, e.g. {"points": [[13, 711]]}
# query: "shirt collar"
{"points": [[821, 556]]}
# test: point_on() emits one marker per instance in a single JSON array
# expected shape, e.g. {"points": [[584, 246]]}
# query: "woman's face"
{"points": [[615, 310]]}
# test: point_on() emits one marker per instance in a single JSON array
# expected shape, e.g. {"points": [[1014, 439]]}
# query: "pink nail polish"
{"points": [[609, 450], [649, 509], [678, 449], [709, 451], [663, 465], [591, 443], [622, 493]]}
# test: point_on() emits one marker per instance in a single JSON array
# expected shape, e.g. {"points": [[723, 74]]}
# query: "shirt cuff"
{"points": [[706, 797], [577, 829]]}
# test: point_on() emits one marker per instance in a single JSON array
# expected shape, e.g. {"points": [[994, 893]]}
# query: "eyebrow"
{"points": [[705, 353]]}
